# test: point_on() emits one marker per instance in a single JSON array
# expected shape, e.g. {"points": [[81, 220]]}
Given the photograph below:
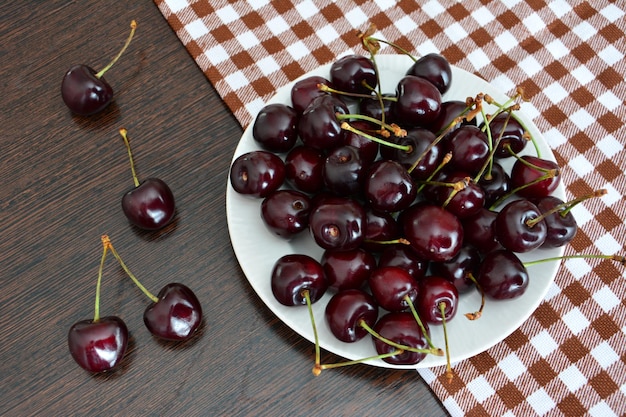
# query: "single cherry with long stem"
{"points": [[85, 91], [150, 204]]}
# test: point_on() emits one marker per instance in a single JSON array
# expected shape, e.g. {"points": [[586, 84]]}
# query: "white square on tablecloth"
{"points": [[608, 244], [583, 75], [560, 8], [307, 9], [544, 343], [196, 29], [572, 378], [608, 144], [327, 34], [604, 355], [554, 137], [504, 83], [530, 66], [433, 8], [534, 23], [611, 55], [176, 5], [581, 165], [483, 15], [217, 54], [405, 25], [268, 65], [540, 401], [506, 41], [581, 214], [512, 366], [236, 80], [278, 25], [584, 30], [612, 12], [606, 299], [577, 267], [480, 389], [557, 49], [612, 196], [478, 59], [555, 92], [298, 50], [227, 14], [601, 410], [576, 321], [357, 18], [582, 119], [248, 39], [455, 32]]}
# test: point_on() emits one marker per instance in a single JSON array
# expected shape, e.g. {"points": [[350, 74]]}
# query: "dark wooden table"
{"points": [[61, 181]]}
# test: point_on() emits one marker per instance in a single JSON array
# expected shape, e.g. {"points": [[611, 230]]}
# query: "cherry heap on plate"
{"points": [[85, 91], [409, 198], [99, 344]]}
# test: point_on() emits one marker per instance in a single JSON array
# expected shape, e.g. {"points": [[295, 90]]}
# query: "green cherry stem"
{"points": [[432, 351], [617, 258], [349, 128], [317, 367], [477, 314], [96, 314], [420, 323], [564, 208], [133, 26], [107, 242], [124, 134], [449, 374], [357, 361]]}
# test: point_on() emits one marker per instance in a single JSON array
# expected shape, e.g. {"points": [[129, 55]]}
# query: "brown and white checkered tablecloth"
{"points": [[569, 358]]}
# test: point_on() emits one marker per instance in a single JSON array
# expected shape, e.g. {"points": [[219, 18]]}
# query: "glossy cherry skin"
{"points": [[418, 102], [522, 174], [379, 227], [469, 147], [353, 74], [480, 232], [434, 233], [345, 312], [338, 223], [450, 110], [512, 229], [495, 184], [98, 346], [562, 226], [458, 269], [295, 273], [303, 169], [389, 187], [275, 127], [304, 91], [150, 206], [390, 285], [343, 171], [433, 291], [257, 173], [465, 202], [176, 316], [401, 328], [286, 213], [367, 148], [347, 269], [83, 93], [402, 256], [507, 132], [421, 145], [502, 275], [318, 126], [434, 68]]}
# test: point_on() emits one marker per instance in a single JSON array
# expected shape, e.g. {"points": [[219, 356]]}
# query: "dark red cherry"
{"points": [[257, 173], [561, 224], [507, 132], [303, 169], [404, 257], [420, 143], [434, 68], [354, 74], [391, 285], [379, 227], [469, 147], [480, 232], [85, 91], [367, 148], [345, 312], [275, 127], [375, 108], [418, 102], [149, 206], [535, 177], [337, 223], [292, 275], [433, 291], [318, 126], [458, 269], [495, 183], [347, 269], [343, 171], [401, 328], [177, 314], [450, 110], [306, 90], [286, 213], [98, 346], [434, 233], [502, 275], [515, 227], [389, 187], [465, 202]]}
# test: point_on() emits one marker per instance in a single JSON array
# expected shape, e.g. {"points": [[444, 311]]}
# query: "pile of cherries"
{"points": [[407, 195], [175, 314]]}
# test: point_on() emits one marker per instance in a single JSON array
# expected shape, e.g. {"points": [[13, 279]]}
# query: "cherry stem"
{"points": [[399, 241], [564, 208], [357, 361], [434, 143], [307, 296], [477, 314], [96, 314], [549, 173], [432, 351], [456, 187], [133, 26], [420, 323], [393, 128], [449, 374], [348, 127], [617, 258], [446, 159], [124, 134], [107, 243]]}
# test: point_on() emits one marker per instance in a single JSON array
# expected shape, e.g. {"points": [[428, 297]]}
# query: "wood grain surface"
{"points": [[61, 182]]}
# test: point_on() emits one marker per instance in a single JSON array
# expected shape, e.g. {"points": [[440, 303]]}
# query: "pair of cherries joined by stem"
{"points": [[99, 344]]}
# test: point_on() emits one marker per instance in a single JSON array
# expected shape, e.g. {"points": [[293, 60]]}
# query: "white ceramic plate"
{"points": [[257, 249]]}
